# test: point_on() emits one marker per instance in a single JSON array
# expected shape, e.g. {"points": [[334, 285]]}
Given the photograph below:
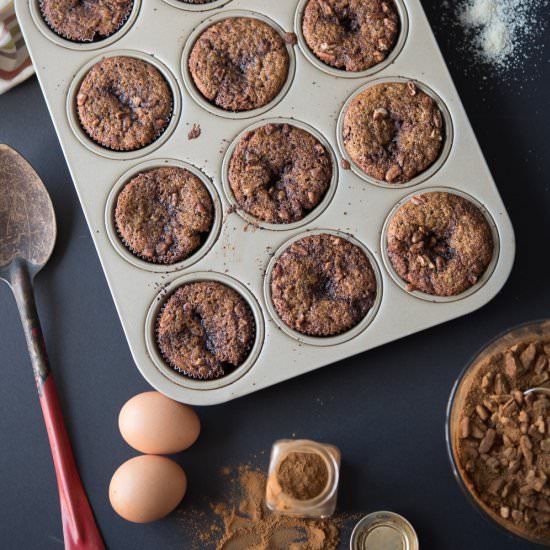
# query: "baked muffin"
{"points": [[164, 215], [85, 21], [439, 243], [352, 35], [124, 103], [322, 285], [279, 173], [393, 131], [239, 64], [205, 330]]}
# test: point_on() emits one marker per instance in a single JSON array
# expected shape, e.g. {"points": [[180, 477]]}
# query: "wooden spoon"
{"points": [[27, 238]]}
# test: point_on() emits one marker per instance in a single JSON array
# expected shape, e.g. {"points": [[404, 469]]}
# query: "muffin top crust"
{"points": [[279, 173], [164, 215], [85, 21], [393, 131], [439, 243], [124, 103], [352, 35], [205, 329], [323, 285], [239, 63]]}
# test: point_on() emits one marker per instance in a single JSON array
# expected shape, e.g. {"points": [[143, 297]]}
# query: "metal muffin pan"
{"points": [[240, 252]]}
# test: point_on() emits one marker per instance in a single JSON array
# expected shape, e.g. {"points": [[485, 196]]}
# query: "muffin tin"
{"points": [[239, 252]]}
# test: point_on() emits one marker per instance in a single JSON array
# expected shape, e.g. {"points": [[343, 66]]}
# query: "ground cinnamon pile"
{"points": [[248, 525], [242, 522], [303, 476], [504, 437]]}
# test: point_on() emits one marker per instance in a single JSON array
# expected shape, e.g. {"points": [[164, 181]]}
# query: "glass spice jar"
{"points": [[303, 478]]}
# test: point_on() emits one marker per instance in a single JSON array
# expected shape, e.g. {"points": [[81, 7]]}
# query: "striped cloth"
{"points": [[15, 63]]}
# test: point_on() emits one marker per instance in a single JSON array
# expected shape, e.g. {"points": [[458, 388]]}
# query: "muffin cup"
{"points": [[432, 297], [127, 252], [65, 37], [344, 335], [218, 372], [422, 176], [342, 73], [57, 38], [316, 212], [517, 334], [185, 5], [199, 98], [111, 153], [184, 379]]}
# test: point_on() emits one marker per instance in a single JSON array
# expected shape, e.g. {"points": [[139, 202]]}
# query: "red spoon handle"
{"points": [[79, 527]]}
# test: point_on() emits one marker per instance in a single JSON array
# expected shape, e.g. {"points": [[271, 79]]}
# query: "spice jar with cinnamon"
{"points": [[303, 478]]}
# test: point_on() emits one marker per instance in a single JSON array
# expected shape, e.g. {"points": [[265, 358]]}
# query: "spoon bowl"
{"points": [[27, 219]]}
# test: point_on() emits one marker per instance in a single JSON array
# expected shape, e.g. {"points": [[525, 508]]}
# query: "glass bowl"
{"points": [[519, 334]]}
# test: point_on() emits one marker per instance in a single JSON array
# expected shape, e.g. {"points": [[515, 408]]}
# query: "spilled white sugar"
{"points": [[502, 31]]}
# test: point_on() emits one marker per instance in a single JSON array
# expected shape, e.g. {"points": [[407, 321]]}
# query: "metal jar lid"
{"points": [[384, 531]]}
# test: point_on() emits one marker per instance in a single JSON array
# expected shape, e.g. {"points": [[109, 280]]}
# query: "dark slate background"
{"points": [[385, 409]]}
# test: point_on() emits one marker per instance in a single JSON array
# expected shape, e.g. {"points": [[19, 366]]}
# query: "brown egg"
{"points": [[154, 424], [147, 488]]}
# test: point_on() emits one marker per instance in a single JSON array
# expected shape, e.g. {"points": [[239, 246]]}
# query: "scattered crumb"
{"points": [[195, 132], [345, 164], [290, 38]]}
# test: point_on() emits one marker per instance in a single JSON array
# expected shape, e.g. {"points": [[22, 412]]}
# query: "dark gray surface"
{"points": [[385, 409]]}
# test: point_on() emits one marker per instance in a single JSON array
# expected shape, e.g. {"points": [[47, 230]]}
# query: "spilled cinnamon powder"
{"points": [[250, 526], [242, 522]]}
